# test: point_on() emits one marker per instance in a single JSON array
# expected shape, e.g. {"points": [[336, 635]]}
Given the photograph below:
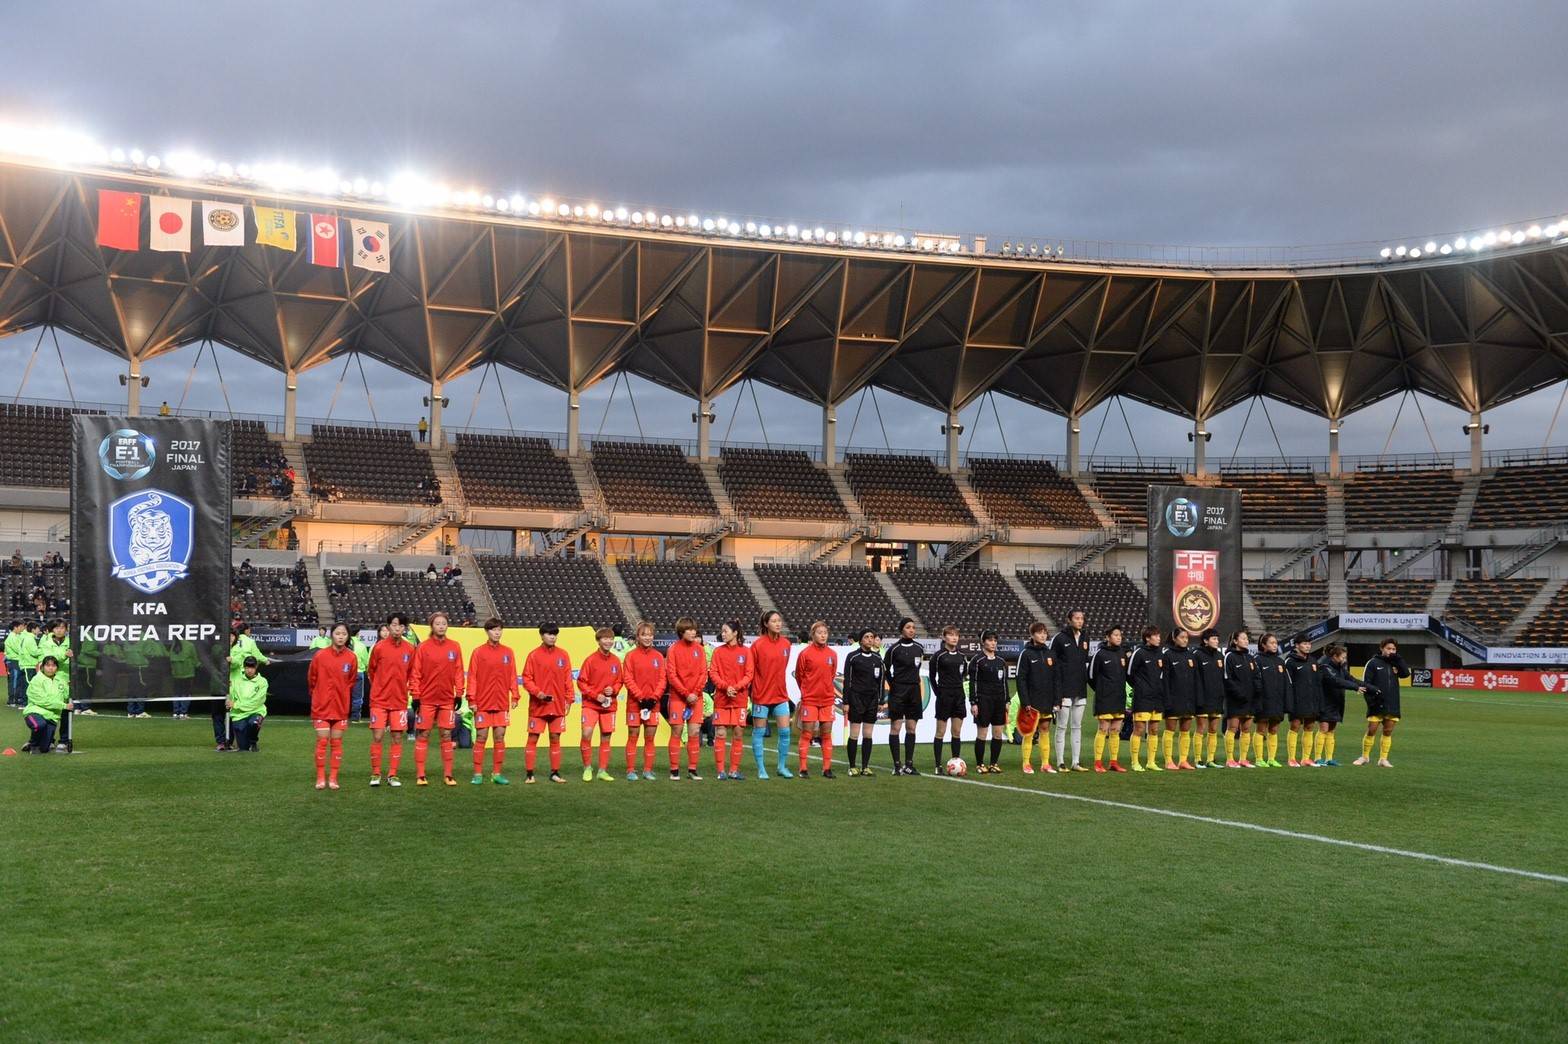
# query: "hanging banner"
{"points": [[150, 504], [1195, 558]]}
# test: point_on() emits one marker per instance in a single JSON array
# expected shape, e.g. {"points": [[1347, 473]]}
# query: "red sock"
{"points": [[649, 743], [827, 750], [805, 747], [675, 751], [479, 757], [397, 751], [693, 748], [321, 759], [375, 757], [497, 756], [586, 747], [736, 748], [446, 757], [631, 753], [720, 755], [421, 749], [604, 752], [531, 756], [337, 756], [555, 752]]}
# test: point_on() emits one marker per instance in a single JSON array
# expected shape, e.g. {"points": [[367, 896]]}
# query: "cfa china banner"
{"points": [[1384, 621], [1195, 557], [150, 502], [1491, 679]]}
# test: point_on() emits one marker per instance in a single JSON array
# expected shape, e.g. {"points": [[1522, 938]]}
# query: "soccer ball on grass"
{"points": [[957, 767]]}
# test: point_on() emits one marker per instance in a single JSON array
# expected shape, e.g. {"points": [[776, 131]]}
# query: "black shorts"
{"points": [[1239, 708], [904, 707], [993, 711], [863, 711], [951, 706]]}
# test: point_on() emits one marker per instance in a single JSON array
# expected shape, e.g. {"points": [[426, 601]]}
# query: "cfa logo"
{"points": [[127, 454], [150, 539], [1181, 517]]}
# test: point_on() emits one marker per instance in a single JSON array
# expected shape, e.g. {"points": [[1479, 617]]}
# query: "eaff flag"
{"points": [[170, 224], [120, 219], [372, 246], [324, 240]]}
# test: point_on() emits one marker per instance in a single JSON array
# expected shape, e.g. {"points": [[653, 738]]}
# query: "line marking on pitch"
{"points": [[1504, 703]]}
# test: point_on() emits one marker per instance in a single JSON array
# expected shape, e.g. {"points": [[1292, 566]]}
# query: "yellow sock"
{"points": [[1315, 745], [1330, 740], [1273, 746], [1099, 747], [1028, 752], [1113, 743], [1366, 745], [1257, 746], [1186, 745], [1136, 746], [1168, 742], [1154, 748], [1214, 742], [1291, 744], [1388, 742], [1230, 746]]}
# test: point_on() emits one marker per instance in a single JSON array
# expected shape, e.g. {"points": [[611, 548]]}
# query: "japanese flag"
{"points": [[324, 240], [171, 223], [372, 246]]}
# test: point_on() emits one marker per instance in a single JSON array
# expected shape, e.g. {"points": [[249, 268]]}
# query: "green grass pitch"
{"points": [[159, 891]]}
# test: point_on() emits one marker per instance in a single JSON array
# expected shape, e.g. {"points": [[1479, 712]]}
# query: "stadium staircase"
{"points": [[417, 528], [318, 589], [847, 495], [1250, 616], [1093, 547], [1338, 592], [1527, 615], [1334, 508], [474, 584], [1101, 512], [1309, 546], [1442, 591], [558, 541], [1464, 507], [1035, 609], [721, 496], [816, 551], [1542, 541], [623, 595], [1429, 543], [446, 474], [688, 549], [294, 453], [760, 593], [900, 603], [588, 488], [253, 530], [987, 532]]}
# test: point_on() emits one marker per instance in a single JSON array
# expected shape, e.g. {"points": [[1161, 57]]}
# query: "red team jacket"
{"points": [[815, 668], [769, 660], [644, 672], [437, 679], [547, 675], [331, 681], [391, 664], [686, 668], [731, 668], [492, 678], [601, 670]]}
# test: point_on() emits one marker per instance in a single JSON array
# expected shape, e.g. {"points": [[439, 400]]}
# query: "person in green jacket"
{"points": [[57, 643], [28, 653], [321, 641], [16, 692], [47, 697], [247, 704]]}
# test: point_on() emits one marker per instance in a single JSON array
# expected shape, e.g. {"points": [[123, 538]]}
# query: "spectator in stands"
{"points": [[430, 572], [454, 575], [424, 429], [363, 576], [387, 570], [247, 570], [163, 408], [16, 562]]}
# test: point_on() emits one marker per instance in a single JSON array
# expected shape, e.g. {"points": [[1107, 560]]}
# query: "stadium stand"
{"points": [[1550, 626], [894, 488], [710, 593], [1523, 497], [273, 596], [1399, 499], [257, 464], [1389, 596], [375, 464], [1029, 493], [1126, 493], [1279, 499], [779, 484], [1491, 604], [846, 596], [505, 471], [1105, 598], [528, 592], [402, 592], [1285, 603], [45, 431], [650, 478], [23, 581], [973, 600]]}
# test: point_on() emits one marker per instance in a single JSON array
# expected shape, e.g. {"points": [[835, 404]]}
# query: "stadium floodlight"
{"points": [[793, 231], [1430, 246], [898, 240], [621, 214], [707, 224], [1477, 245], [751, 228], [117, 154], [503, 205], [1459, 243], [636, 217], [153, 162], [1445, 249], [1551, 231], [137, 155], [608, 215], [832, 237], [665, 221], [1401, 250], [691, 221], [592, 210], [578, 211], [818, 233], [764, 230], [860, 239], [1518, 237], [563, 210], [1415, 252], [1534, 232], [1386, 253]]}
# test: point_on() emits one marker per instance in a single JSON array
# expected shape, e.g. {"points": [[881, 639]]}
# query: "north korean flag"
{"points": [[324, 240]]}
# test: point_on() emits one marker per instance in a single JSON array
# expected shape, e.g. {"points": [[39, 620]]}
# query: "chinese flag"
{"points": [[324, 240], [120, 219]]}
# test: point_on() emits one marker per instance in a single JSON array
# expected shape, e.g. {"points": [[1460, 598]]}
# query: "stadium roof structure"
{"points": [[570, 303]]}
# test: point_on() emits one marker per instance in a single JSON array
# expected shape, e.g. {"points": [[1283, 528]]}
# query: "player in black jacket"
{"points": [[1146, 675], [1241, 682], [988, 702], [1273, 699], [1382, 676], [1183, 676], [1306, 700], [863, 693], [1336, 682], [1070, 650], [1108, 676], [1211, 700], [1036, 697], [902, 663], [949, 681]]}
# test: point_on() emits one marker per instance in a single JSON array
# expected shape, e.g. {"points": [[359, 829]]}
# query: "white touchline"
{"points": [[1506, 703], [1278, 832]]}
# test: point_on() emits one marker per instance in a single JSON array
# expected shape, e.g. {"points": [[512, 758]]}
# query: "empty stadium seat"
{"points": [[1029, 493], [403, 592], [1490, 604], [765, 483], [1390, 596], [1125, 492], [271, 597], [255, 461], [650, 478], [1105, 598], [375, 464], [43, 436], [1284, 604], [845, 596], [505, 471], [1279, 499], [1550, 626], [570, 592], [894, 488], [710, 593], [1523, 497], [973, 600], [1399, 499]]}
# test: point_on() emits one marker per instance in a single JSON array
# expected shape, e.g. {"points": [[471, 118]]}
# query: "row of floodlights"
{"points": [[1477, 243]]}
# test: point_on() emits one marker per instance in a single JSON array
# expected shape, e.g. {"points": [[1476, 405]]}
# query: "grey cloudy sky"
{"points": [[1197, 123]]}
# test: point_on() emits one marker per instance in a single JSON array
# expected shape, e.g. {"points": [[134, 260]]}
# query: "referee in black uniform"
{"points": [[863, 693], [901, 665]]}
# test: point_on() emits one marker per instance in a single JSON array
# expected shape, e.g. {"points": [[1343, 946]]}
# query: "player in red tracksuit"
{"points": [[732, 670], [334, 670], [644, 671], [547, 675], [600, 680], [769, 695], [437, 683], [391, 663], [686, 675], [492, 692], [816, 671]]}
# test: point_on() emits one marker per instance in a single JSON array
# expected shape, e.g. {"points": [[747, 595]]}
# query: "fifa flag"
{"points": [[275, 227], [324, 240], [171, 223], [120, 219], [372, 246], [222, 224]]}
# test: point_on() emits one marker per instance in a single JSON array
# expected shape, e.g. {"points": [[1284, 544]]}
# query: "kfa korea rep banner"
{"points": [[1195, 558], [150, 502]]}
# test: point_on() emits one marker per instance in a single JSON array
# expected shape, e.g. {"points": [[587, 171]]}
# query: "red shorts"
{"points": [[492, 719], [638, 716], [597, 717], [810, 712], [382, 718], [330, 723], [435, 717], [553, 723], [729, 717]]}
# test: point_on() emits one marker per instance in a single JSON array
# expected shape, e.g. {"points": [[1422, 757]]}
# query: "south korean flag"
{"points": [[372, 246]]}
